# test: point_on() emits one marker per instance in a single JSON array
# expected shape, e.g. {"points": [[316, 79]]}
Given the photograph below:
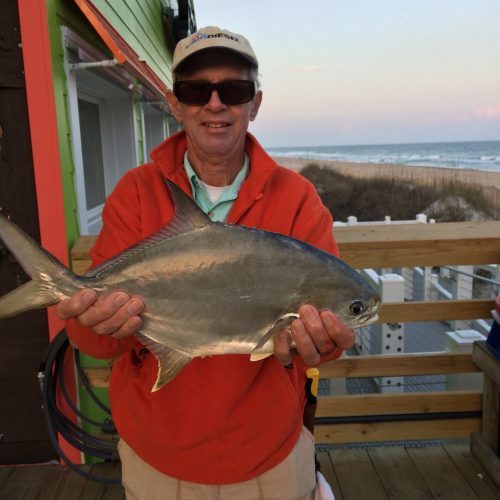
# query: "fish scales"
{"points": [[209, 288]]}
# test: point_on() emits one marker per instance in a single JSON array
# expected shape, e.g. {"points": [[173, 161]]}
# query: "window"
{"points": [[93, 166]]}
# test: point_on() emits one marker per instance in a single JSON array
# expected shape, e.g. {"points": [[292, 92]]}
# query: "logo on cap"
{"points": [[203, 36]]}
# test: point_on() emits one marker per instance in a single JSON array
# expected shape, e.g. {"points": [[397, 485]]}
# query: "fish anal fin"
{"points": [[170, 361], [282, 323], [258, 356], [169, 367]]}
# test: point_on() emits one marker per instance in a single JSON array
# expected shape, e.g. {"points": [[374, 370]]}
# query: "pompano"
{"points": [[209, 288]]}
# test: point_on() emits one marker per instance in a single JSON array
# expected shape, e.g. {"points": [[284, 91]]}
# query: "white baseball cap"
{"points": [[212, 37]]}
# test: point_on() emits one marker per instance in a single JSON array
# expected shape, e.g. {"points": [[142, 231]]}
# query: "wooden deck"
{"points": [[446, 472]]}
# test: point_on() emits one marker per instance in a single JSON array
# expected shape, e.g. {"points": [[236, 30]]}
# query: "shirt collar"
{"points": [[230, 192]]}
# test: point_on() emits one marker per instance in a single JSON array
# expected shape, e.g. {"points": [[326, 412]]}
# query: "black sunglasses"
{"points": [[199, 92]]}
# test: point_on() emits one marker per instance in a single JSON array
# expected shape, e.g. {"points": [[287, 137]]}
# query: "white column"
{"points": [[460, 342], [392, 288], [427, 279]]}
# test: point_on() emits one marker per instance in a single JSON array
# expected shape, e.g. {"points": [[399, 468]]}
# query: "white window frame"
{"points": [[118, 155]]}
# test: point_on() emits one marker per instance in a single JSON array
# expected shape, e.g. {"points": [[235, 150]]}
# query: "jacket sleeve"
{"points": [[313, 222], [314, 225], [121, 229]]}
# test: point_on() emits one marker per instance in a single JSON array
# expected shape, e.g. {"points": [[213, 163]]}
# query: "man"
{"points": [[224, 427]]}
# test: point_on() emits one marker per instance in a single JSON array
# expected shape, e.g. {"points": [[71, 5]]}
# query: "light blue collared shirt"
{"points": [[219, 209]]}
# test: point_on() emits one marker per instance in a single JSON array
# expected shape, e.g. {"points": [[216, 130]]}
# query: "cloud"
{"points": [[488, 112], [310, 68]]}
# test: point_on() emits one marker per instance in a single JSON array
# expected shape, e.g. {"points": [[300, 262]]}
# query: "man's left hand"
{"points": [[316, 333]]}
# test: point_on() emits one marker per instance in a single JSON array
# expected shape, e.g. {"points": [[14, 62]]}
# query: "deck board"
{"points": [[449, 483], [328, 472], [356, 475], [375, 473], [398, 474], [473, 472], [57, 482]]}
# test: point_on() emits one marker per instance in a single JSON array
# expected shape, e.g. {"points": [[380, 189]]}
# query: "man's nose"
{"points": [[215, 102]]}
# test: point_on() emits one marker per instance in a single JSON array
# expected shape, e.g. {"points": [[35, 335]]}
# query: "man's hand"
{"points": [[315, 334], [115, 315]]}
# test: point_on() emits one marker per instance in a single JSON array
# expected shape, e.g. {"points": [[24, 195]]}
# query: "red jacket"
{"points": [[223, 419]]}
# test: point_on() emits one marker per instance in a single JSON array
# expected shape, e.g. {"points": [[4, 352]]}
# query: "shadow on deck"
{"points": [[446, 472]]}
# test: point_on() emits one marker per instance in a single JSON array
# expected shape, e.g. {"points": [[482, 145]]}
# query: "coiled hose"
{"points": [[52, 383]]}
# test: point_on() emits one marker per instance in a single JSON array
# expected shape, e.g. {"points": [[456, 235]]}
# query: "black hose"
{"points": [[51, 380]]}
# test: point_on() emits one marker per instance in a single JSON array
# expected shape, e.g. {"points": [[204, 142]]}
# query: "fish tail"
{"points": [[43, 268]]}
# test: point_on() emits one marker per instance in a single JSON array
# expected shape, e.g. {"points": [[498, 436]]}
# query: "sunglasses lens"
{"points": [[195, 93], [233, 92], [198, 93]]}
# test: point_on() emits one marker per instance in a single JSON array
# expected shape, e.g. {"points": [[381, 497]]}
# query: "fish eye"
{"points": [[356, 307]]}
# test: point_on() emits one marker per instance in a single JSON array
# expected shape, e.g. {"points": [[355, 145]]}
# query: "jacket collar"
{"points": [[169, 156]]}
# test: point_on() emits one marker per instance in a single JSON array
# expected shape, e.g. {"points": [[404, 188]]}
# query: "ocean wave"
{"points": [[472, 155]]}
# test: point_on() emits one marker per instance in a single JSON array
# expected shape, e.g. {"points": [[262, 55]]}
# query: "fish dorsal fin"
{"points": [[280, 324], [188, 216], [170, 361]]}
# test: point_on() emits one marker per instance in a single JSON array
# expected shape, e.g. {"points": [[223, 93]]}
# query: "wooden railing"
{"points": [[389, 416], [447, 414]]}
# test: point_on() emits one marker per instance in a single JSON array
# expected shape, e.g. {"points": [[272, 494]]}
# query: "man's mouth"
{"points": [[215, 125]]}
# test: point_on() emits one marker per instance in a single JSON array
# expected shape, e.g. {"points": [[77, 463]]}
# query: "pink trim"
{"points": [[44, 136], [45, 147]]}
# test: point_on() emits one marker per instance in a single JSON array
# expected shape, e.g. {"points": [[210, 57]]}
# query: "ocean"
{"points": [[480, 155]]}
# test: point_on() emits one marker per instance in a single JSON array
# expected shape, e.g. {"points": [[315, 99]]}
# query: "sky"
{"points": [[336, 72]]}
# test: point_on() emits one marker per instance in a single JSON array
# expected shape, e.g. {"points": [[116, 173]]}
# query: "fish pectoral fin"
{"points": [[170, 361], [282, 323]]}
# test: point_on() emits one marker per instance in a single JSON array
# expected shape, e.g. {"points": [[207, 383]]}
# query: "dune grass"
{"points": [[375, 197]]}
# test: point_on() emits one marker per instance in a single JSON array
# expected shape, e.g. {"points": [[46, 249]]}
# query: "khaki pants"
{"points": [[292, 479]]}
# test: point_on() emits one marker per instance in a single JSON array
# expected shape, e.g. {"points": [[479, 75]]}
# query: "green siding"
{"points": [[139, 22], [65, 13]]}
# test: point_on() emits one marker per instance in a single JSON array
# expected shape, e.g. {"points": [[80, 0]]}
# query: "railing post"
{"points": [[486, 444], [392, 287], [462, 289], [461, 342]]}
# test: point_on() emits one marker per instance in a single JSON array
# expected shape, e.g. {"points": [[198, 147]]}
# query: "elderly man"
{"points": [[225, 427]]}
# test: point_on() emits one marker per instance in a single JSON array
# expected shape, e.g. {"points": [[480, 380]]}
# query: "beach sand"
{"points": [[489, 181]]}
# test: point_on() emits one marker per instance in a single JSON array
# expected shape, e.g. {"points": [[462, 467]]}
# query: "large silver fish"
{"points": [[209, 288]]}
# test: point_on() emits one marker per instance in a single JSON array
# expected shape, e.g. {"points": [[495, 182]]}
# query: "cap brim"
{"points": [[244, 57]]}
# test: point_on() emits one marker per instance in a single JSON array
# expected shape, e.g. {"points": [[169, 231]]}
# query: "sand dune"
{"points": [[489, 181]]}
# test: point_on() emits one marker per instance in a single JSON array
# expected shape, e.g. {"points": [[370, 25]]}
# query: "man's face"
{"points": [[216, 129]]}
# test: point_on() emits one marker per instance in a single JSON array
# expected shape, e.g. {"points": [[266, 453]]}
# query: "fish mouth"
{"points": [[370, 316], [367, 320]]}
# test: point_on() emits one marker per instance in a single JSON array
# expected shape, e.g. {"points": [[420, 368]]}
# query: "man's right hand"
{"points": [[115, 314]]}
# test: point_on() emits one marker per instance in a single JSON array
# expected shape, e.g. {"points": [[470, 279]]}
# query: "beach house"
{"points": [[81, 101]]}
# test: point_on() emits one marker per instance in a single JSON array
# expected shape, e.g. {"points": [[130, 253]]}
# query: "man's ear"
{"points": [[257, 101], [174, 105]]}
